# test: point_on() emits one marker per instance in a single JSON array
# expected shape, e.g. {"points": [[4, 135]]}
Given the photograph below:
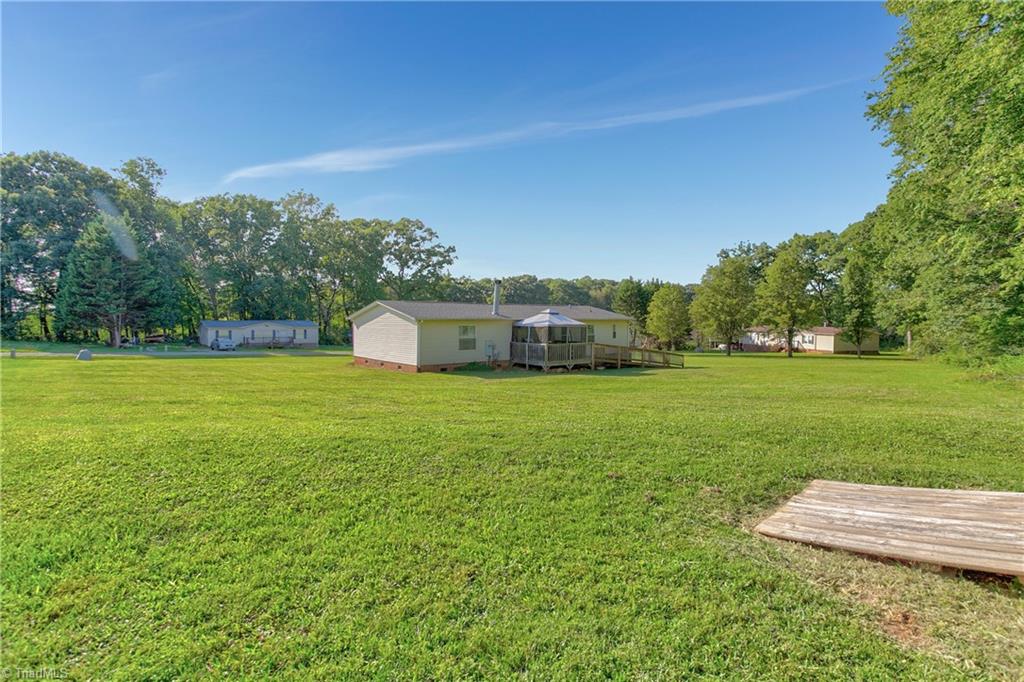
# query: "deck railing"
{"points": [[546, 355], [275, 341], [606, 354]]}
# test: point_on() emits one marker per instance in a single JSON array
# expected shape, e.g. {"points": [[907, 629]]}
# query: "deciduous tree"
{"points": [[723, 305], [953, 222], [47, 200], [415, 261], [523, 289], [858, 301], [667, 316], [783, 300]]}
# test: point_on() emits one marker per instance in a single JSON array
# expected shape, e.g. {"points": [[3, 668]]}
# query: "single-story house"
{"points": [[425, 336], [299, 333], [812, 340]]}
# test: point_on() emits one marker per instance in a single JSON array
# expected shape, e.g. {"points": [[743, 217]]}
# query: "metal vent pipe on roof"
{"points": [[495, 296]]}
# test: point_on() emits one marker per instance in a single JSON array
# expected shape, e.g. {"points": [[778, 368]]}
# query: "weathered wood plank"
{"points": [[902, 551], [980, 511], [930, 536], [977, 530], [924, 511], [966, 531], [945, 502], [900, 490]]}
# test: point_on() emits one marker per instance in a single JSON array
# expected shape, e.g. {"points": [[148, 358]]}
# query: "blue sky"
{"points": [[554, 139]]}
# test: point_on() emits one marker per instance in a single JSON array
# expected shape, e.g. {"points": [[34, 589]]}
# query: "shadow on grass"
{"points": [[523, 373], [898, 357]]}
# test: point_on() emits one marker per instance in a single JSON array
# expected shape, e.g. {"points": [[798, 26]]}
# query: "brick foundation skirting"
{"points": [[402, 367], [384, 364]]}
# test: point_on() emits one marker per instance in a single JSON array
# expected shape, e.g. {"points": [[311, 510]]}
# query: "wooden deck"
{"points": [[625, 356], [968, 529], [594, 355]]}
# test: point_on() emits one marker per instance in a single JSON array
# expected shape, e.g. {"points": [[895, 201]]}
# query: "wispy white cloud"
{"points": [[155, 80], [357, 159]]}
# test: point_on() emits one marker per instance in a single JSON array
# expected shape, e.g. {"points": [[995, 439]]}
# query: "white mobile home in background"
{"points": [[297, 333]]}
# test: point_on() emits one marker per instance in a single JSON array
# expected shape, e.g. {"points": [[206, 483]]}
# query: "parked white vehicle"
{"points": [[222, 344]]}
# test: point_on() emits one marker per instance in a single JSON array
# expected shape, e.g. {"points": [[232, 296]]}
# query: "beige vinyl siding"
{"points": [[379, 334], [439, 341], [603, 332]]}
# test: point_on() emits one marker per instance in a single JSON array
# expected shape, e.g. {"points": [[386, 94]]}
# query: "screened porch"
{"points": [[550, 339]]}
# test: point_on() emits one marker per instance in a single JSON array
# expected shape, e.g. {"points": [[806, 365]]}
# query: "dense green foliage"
{"points": [[950, 237], [942, 260], [668, 318], [783, 298], [378, 524], [858, 299], [224, 257], [723, 306], [107, 283]]}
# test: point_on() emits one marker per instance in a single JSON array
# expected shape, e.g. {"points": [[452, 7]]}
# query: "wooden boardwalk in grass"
{"points": [[969, 529]]}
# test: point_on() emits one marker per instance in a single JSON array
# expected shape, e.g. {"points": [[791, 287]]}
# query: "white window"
{"points": [[614, 332], [590, 333], [252, 333], [229, 333], [216, 334], [809, 339], [467, 337], [293, 333], [304, 333]]}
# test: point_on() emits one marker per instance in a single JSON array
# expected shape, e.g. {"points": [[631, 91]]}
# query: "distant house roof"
{"points": [[443, 310], [248, 323], [549, 318], [761, 328]]}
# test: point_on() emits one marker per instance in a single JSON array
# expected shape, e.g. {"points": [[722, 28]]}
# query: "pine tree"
{"points": [[107, 284], [630, 300]]}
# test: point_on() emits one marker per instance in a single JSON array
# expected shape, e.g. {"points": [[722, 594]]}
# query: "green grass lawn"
{"points": [[178, 518]]}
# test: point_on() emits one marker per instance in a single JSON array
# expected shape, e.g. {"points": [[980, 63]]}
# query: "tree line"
{"points": [[95, 255], [91, 254], [941, 261]]}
